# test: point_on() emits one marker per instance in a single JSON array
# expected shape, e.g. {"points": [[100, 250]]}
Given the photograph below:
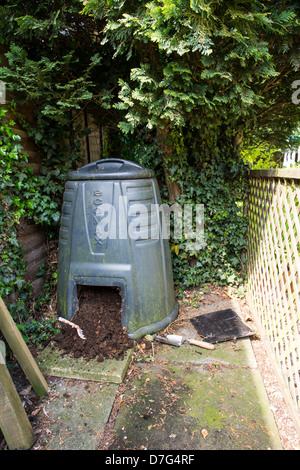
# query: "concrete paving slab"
{"points": [[52, 361], [178, 403], [78, 414], [238, 353]]}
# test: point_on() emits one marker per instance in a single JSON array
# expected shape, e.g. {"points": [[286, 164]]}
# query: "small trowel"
{"points": [[177, 340]]}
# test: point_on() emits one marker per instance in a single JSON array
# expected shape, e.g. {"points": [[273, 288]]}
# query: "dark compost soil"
{"points": [[99, 315]]}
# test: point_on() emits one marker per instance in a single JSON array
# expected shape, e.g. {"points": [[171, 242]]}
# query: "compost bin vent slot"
{"points": [[222, 325]]}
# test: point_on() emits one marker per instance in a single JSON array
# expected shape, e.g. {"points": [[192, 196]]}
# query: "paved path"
{"points": [[182, 398]]}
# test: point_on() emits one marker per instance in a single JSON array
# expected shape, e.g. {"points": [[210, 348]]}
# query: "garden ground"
{"points": [[171, 398]]}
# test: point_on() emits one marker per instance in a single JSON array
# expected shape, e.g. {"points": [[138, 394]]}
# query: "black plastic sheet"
{"points": [[219, 326]]}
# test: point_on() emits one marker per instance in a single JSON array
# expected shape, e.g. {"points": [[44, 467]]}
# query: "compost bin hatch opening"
{"points": [[99, 316], [98, 305], [98, 295]]}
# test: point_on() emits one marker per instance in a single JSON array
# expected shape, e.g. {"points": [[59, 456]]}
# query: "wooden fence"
{"points": [[92, 144], [31, 236], [274, 269]]}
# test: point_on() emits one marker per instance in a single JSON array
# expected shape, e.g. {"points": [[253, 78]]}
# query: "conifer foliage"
{"points": [[205, 64]]}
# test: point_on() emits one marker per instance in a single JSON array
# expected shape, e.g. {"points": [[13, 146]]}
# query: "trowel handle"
{"points": [[201, 344]]}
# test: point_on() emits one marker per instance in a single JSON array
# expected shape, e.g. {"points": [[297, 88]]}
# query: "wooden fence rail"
{"points": [[274, 270]]}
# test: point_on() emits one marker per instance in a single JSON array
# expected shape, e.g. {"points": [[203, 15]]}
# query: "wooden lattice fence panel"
{"points": [[274, 267]]}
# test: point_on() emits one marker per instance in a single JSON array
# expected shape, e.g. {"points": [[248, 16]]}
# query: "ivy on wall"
{"points": [[220, 184], [22, 194]]}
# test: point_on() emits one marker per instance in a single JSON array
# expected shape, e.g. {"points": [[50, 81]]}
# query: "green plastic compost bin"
{"points": [[111, 235]]}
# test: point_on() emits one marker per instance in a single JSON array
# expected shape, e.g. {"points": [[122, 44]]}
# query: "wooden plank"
{"points": [[21, 351], [14, 422], [289, 173], [34, 242], [35, 255]]}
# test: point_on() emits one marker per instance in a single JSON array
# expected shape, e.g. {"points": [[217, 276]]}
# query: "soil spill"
{"points": [[99, 315]]}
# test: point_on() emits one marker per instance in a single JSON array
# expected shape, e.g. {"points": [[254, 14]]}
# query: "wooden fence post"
{"points": [[14, 422], [21, 351]]}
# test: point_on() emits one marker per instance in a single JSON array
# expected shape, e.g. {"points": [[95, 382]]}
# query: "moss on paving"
{"points": [[208, 405]]}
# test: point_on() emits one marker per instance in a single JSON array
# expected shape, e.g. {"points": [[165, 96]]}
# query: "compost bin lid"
{"points": [[110, 169]]}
